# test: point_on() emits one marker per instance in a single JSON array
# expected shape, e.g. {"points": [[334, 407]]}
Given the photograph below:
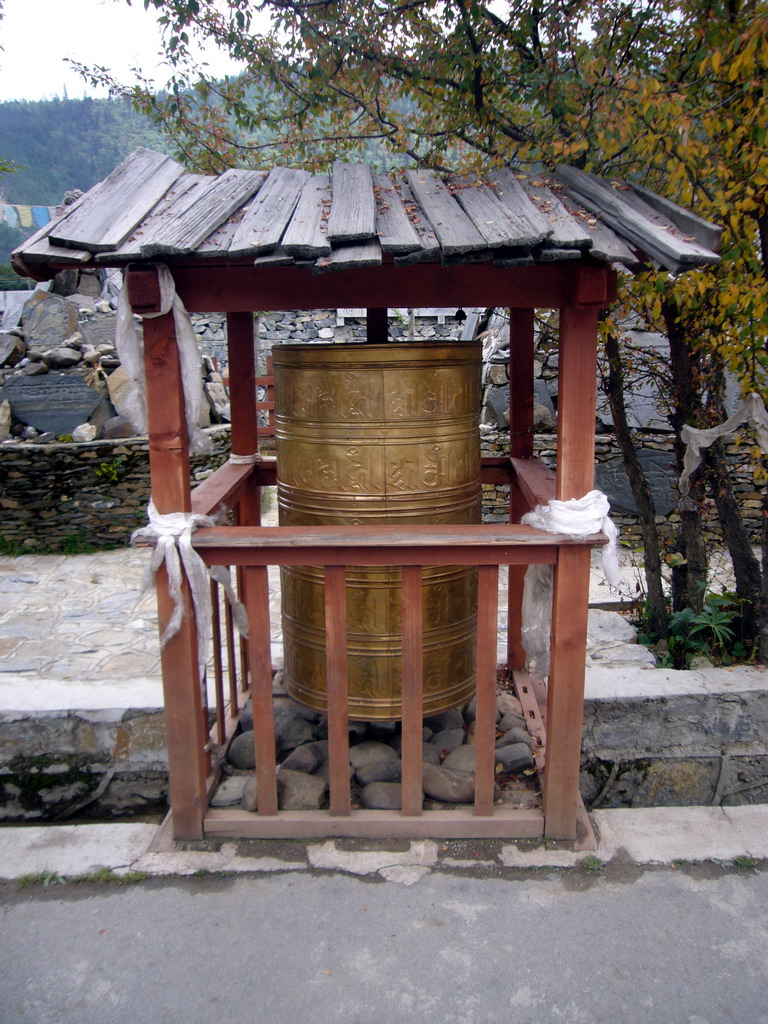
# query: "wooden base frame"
{"points": [[364, 824]]}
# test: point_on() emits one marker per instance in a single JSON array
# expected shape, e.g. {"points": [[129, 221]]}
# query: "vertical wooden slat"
{"points": [[229, 632], [256, 592], [485, 721], [242, 645], [377, 325], [186, 721], [336, 683], [218, 674], [521, 353], [413, 672], [575, 477]]}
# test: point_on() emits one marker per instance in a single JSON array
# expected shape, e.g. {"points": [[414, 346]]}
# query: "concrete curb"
{"points": [[652, 836]]}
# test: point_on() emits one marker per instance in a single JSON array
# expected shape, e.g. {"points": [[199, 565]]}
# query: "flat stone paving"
{"points": [[75, 631]]}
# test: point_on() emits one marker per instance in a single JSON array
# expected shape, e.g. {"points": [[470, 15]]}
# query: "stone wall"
{"points": [[651, 738], [98, 491], [57, 764], [664, 738], [748, 493], [53, 495], [323, 325]]}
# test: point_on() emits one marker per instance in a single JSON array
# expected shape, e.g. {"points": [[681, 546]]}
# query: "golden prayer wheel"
{"points": [[372, 434]]}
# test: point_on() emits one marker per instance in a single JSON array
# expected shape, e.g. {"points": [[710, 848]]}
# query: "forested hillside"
{"points": [[59, 145]]}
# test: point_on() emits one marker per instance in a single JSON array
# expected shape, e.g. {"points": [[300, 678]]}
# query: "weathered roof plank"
{"points": [[212, 205], [351, 256], [353, 208], [266, 218], [306, 235], [606, 244], [455, 231], [532, 226], [176, 201], [393, 226], [486, 211], [118, 204], [665, 247], [38, 248], [430, 247], [567, 232], [706, 234]]}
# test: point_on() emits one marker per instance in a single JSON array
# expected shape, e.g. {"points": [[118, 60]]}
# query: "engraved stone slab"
{"points": [[659, 468], [101, 330], [51, 403], [48, 320]]}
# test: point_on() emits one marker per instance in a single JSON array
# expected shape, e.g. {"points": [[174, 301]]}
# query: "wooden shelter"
{"points": [[249, 241]]}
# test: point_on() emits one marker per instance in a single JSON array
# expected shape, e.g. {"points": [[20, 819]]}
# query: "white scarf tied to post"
{"points": [[751, 411], [172, 538], [130, 348], [578, 517]]}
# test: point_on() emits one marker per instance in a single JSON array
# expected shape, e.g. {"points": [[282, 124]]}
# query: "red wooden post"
{"points": [[575, 477], [521, 350], [185, 718], [242, 400]]}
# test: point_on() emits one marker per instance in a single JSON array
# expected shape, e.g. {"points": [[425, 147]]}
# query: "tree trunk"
{"points": [[763, 650], [689, 579], [746, 568], [658, 617]]}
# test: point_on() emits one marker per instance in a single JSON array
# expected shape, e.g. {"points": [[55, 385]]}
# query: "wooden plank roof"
{"points": [[149, 208]]}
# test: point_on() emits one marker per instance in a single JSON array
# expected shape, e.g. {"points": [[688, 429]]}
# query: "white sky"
{"points": [[36, 36]]}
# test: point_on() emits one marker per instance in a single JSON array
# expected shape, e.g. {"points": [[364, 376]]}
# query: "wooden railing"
{"points": [[250, 550]]}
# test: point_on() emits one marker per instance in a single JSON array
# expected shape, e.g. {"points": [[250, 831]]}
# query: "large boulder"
{"points": [[450, 786], [12, 349]]}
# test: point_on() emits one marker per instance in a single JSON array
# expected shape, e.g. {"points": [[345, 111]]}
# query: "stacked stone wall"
{"points": [[94, 492], [743, 466]]}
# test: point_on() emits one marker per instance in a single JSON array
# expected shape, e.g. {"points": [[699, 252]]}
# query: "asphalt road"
{"points": [[621, 946]]}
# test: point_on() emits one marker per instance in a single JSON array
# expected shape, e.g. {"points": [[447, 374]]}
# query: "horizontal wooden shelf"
{"points": [[461, 823]]}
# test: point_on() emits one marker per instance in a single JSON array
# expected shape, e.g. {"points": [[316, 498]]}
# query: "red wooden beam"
{"points": [[233, 288]]}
